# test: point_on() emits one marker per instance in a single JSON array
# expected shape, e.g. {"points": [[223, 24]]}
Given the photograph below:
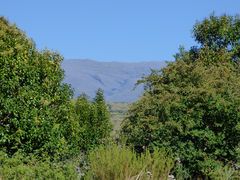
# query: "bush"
{"points": [[224, 173], [118, 163], [20, 167]]}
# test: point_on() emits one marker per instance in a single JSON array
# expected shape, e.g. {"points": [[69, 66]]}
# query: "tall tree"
{"points": [[103, 123], [192, 105], [34, 103], [94, 120]]}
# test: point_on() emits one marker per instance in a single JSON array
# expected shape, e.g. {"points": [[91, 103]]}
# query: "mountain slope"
{"points": [[117, 79]]}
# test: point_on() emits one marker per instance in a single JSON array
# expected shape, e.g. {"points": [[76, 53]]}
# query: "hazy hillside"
{"points": [[117, 79]]}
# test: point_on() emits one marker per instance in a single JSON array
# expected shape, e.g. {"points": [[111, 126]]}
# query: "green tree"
{"points": [[34, 103], [103, 124], [218, 32], [94, 120], [192, 105], [83, 111]]}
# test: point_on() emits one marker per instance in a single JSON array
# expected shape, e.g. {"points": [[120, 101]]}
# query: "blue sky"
{"points": [[113, 30]]}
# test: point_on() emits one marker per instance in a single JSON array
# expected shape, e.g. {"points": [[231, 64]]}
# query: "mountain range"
{"points": [[117, 79]]}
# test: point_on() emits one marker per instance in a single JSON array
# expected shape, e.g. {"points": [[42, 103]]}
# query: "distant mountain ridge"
{"points": [[117, 79]]}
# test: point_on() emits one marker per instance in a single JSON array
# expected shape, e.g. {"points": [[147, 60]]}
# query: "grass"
{"points": [[122, 163], [118, 112]]}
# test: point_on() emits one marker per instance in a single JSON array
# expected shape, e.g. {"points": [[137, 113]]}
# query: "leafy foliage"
{"points": [[94, 120], [39, 121], [219, 32], [192, 105], [34, 103], [20, 167]]}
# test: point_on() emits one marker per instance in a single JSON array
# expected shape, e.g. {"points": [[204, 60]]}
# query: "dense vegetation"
{"points": [[94, 119], [34, 103], [30, 167], [39, 120], [192, 106], [187, 123], [114, 162]]}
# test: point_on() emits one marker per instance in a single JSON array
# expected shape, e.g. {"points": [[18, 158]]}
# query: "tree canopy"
{"points": [[37, 113], [192, 105], [34, 103]]}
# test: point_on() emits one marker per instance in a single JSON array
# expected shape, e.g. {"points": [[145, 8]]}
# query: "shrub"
{"points": [[21, 167], [224, 173], [118, 163]]}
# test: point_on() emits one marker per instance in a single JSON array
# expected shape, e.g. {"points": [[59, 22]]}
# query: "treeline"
{"points": [[186, 124]]}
